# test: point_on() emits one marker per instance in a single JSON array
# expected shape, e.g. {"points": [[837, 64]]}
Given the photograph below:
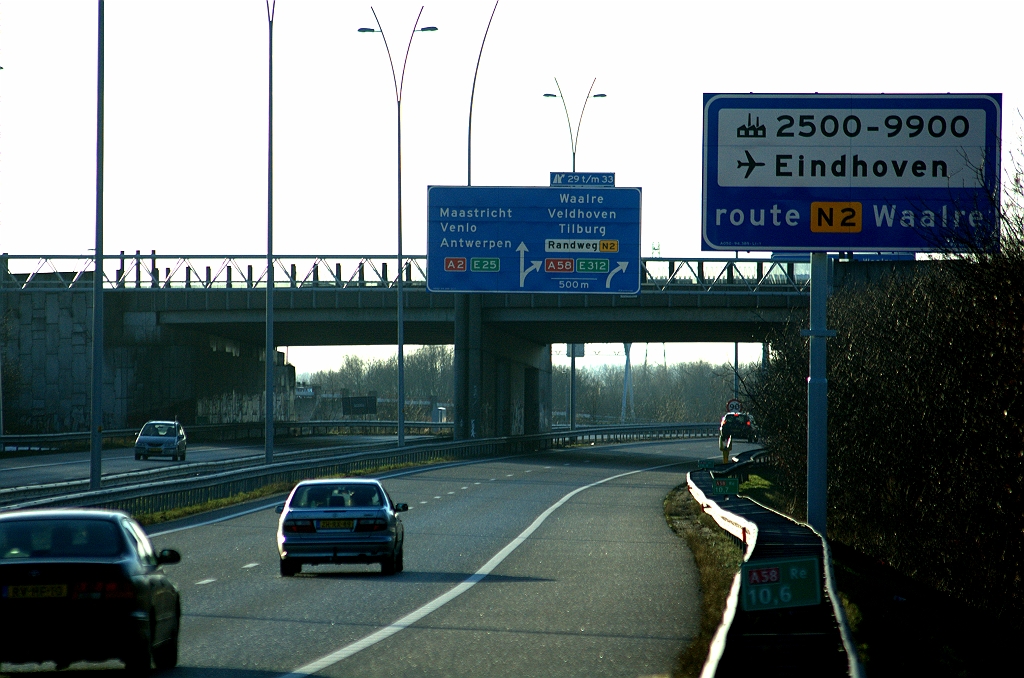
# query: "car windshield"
{"points": [[341, 495], [160, 430], [58, 538]]}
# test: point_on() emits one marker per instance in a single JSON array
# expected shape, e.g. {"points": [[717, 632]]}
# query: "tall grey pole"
{"points": [[96, 428], [268, 435], [817, 397], [572, 387], [399, 86]]}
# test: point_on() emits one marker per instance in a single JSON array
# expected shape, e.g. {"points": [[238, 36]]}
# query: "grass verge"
{"points": [[718, 559], [261, 492]]}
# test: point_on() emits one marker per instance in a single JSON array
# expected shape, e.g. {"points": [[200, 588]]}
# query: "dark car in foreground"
{"points": [[161, 438], [85, 585], [738, 425], [342, 520]]}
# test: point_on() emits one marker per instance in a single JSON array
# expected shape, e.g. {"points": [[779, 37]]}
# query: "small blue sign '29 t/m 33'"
{"points": [[850, 172]]}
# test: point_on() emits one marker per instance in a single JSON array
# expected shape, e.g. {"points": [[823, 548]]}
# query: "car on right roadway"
{"points": [[738, 425]]}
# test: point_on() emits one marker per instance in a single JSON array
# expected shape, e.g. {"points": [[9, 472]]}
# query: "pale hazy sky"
{"points": [[186, 108]]}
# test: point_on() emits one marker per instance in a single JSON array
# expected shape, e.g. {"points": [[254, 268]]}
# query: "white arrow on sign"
{"points": [[621, 267], [523, 271]]}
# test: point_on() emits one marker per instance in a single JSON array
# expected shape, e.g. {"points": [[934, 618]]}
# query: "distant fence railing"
{"points": [[154, 494], [140, 271], [57, 442]]}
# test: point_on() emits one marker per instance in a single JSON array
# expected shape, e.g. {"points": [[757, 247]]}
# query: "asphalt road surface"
{"points": [[549, 564], [55, 468]]}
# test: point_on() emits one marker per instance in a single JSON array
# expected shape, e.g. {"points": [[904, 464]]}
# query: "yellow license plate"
{"points": [[337, 524], [37, 591]]}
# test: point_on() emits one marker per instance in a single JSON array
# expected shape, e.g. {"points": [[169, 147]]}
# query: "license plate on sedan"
{"points": [[36, 591], [337, 524]]}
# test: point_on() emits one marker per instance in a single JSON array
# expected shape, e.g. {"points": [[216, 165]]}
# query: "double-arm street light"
{"points": [[399, 83], [574, 140]]}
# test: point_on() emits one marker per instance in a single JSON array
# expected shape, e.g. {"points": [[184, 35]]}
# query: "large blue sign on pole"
{"points": [[850, 172], [533, 239]]}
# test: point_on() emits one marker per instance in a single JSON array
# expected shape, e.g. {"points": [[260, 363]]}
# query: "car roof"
{"points": [[63, 514], [335, 481], [160, 421]]}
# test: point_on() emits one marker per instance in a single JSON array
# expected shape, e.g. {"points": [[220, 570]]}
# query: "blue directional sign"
{"points": [[533, 239], [850, 172]]}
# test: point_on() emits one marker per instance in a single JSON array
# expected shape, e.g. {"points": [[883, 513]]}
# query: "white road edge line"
{"points": [[416, 615]]}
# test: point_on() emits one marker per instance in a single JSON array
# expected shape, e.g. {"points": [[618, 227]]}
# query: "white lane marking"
{"points": [[509, 475], [445, 598], [423, 502], [451, 493], [205, 582], [465, 487], [250, 566]]}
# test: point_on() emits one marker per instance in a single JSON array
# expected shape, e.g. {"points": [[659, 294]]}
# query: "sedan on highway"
{"points": [[161, 438], [341, 520], [85, 585]]}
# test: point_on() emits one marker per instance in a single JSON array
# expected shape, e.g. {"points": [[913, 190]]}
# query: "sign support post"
{"points": [[817, 396]]}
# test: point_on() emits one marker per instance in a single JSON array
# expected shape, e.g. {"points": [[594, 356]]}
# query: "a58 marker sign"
{"points": [[831, 172]]}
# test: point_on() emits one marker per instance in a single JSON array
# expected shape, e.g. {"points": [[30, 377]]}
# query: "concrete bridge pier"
{"points": [[502, 382]]}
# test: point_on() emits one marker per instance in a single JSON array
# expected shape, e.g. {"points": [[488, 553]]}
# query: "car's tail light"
{"points": [[372, 525], [103, 590], [299, 526]]}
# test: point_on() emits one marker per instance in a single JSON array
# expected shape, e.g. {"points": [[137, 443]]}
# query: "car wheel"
{"points": [[389, 565], [166, 656], [400, 559], [139, 661], [145, 456], [290, 568], [138, 457]]}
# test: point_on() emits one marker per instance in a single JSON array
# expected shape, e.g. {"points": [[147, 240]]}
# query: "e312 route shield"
{"points": [[850, 172]]}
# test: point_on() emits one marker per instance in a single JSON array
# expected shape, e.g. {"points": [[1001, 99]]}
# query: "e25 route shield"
{"points": [[533, 239], [850, 172]]}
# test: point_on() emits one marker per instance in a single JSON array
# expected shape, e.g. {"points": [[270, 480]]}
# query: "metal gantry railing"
{"points": [[140, 271]]}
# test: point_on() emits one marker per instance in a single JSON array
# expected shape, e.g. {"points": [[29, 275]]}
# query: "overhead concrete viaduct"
{"points": [[502, 341]]}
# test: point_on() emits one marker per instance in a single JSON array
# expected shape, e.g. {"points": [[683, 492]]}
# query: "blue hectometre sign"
{"points": [[533, 239], [849, 172]]}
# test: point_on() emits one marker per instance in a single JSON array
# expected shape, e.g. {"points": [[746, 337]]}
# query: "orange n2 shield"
{"points": [[836, 217]]}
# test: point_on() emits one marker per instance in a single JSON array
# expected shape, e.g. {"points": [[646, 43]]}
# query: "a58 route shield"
{"points": [[533, 239]]}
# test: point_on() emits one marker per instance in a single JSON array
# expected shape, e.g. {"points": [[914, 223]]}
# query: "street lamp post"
{"points": [[268, 435], [96, 428], [573, 141], [399, 84]]}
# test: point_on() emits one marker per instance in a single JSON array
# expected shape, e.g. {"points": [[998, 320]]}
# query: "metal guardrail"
{"points": [[302, 271], [50, 442], [786, 641], [160, 493]]}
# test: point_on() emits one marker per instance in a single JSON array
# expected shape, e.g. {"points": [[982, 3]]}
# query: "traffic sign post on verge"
{"points": [[825, 173], [533, 239], [729, 485]]}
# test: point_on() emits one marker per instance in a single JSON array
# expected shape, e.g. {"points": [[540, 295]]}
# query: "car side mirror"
{"points": [[401, 507], [279, 508], [168, 557]]}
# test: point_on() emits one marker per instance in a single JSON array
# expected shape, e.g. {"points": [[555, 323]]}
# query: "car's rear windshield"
{"points": [[341, 495], [56, 538], [158, 430]]}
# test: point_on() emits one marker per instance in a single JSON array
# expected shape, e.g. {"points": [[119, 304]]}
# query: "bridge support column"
{"points": [[468, 386], [502, 382]]}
